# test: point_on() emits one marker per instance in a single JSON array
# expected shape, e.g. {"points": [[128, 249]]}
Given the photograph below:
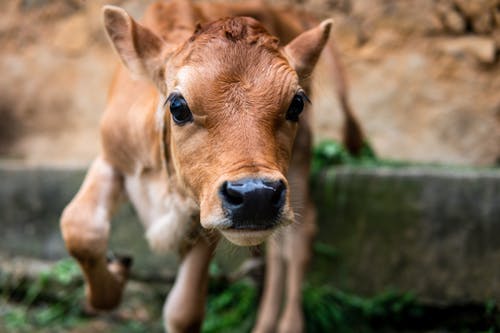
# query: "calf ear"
{"points": [[303, 52], [139, 48]]}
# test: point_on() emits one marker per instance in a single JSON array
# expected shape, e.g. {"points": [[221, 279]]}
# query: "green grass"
{"points": [[329, 153], [230, 308], [26, 305]]}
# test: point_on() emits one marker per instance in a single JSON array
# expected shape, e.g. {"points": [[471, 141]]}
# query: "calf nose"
{"points": [[253, 203]]}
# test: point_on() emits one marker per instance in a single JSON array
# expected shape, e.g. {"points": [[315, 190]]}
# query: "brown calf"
{"points": [[206, 132]]}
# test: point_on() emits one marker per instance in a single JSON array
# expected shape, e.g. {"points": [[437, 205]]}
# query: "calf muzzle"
{"points": [[253, 203]]}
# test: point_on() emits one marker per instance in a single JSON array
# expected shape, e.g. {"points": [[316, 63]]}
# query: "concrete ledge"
{"points": [[31, 202], [432, 231]]}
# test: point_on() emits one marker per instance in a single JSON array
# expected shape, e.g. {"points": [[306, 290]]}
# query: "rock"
{"points": [[31, 4], [481, 48], [496, 37], [381, 43], [483, 23], [453, 21], [406, 18], [347, 32], [475, 8], [72, 36], [49, 10], [496, 16]]}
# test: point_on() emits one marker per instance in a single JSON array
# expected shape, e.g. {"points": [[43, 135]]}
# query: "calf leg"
{"points": [[185, 306], [297, 253], [270, 304], [85, 225]]}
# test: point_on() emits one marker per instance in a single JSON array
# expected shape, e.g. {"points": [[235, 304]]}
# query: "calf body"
{"points": [[206, 132]]}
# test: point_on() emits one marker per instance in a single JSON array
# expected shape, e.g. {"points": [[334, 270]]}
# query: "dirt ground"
{"points": [[424, 77]]}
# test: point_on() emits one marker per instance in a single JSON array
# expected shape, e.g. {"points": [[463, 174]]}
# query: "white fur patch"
{"points": [[167, 215], [171, 230]]}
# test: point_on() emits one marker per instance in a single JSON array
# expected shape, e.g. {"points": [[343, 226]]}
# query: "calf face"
{"points": [[231, 105]]}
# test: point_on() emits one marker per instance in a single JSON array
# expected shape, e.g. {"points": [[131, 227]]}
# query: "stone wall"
{"points": [[431, 231], [31, 203], [425, 89], [424, 77]]}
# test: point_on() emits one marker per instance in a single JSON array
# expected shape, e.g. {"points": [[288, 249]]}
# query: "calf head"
{"points": [[232, 99]]}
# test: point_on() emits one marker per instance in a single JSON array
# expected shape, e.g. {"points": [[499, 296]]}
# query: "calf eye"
{"points": [[296, 107], [179, 109]]}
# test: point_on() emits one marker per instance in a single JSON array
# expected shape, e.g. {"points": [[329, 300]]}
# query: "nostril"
{"points": [[279, 193], [231, 194]]}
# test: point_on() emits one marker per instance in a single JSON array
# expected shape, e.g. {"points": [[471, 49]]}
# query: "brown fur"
{"points": [[238, 81]]}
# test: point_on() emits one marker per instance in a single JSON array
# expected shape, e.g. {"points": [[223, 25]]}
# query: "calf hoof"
{"points": [[105, 293], [119, 264], [291, 322]]}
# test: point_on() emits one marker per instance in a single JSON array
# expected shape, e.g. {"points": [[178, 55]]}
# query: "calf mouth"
{"points": [[242, 237], [250, 233]]}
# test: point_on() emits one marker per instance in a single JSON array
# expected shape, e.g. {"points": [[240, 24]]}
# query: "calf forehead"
{"points": [[236, 76], [268, 83], [234, 61]]}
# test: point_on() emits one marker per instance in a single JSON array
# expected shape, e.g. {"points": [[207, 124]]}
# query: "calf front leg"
{"points": [[185, 306], [298, 248], [270, 303], [85, 225]]}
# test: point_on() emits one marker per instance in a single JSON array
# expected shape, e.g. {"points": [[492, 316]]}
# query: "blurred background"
{"points": [[410, 231], [423, 75]]}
